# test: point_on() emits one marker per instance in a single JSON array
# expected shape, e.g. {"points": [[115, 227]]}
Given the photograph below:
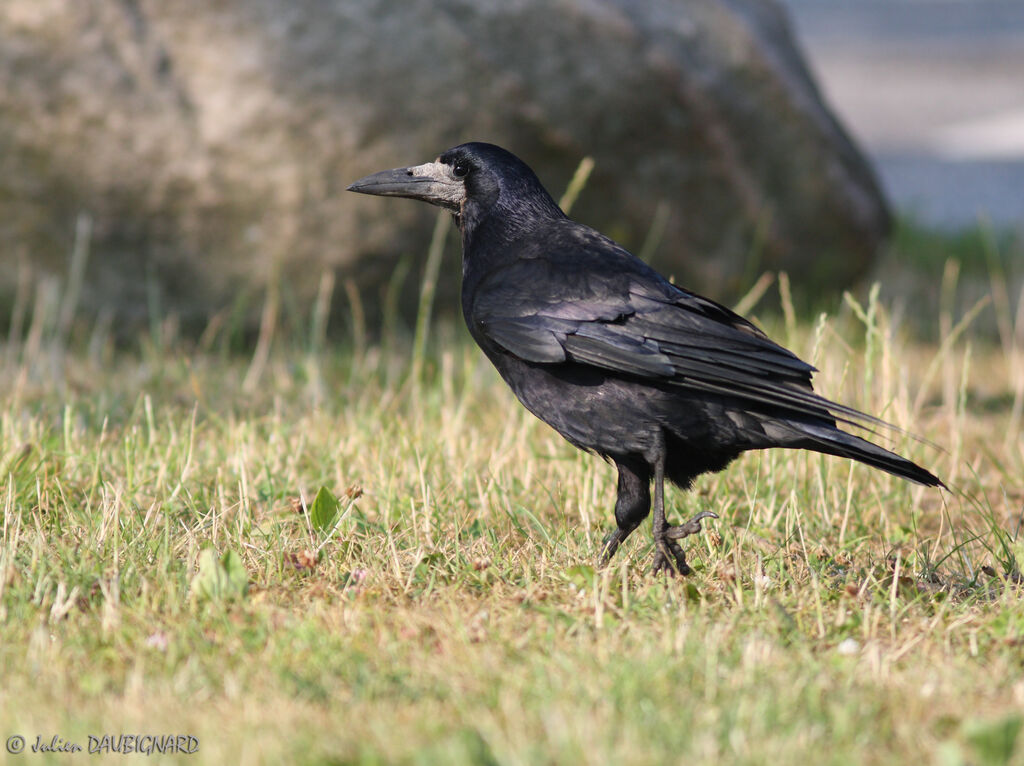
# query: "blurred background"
{"points": [[162, 160], [932, 90]]}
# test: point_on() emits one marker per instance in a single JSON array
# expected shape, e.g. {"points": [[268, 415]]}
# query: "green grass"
{"points": [[450, 612], [975, 247]]}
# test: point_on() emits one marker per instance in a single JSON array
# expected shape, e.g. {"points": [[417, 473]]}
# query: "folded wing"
{"points": [[605, 308]]}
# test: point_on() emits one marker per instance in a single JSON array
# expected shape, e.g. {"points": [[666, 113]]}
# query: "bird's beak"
{"points": [[433, 182]]}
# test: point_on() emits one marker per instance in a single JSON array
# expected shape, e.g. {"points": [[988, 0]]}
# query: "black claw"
{"points": [[661, 564], [691, 527], [672, 562], [680, 556]]}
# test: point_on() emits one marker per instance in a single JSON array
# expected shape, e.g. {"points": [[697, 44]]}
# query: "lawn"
{"points": [[170, 566]]}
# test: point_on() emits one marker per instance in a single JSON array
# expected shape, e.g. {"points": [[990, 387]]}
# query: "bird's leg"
{"points": [[668, 555], [632, 504]]}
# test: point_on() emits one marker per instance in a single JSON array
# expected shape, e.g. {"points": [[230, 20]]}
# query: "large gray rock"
{"points": [[211, 142]]}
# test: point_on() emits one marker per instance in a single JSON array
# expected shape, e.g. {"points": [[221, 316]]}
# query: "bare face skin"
{"points": [[434, 182]]}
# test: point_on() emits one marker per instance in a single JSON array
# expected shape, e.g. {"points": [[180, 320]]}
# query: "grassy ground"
{"points": [[450, 611]]}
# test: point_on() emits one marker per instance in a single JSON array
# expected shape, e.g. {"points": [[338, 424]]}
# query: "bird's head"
{"points": [[470, 180]]}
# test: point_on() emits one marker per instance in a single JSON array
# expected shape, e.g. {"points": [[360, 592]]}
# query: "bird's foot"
{"points": [[669, 557], [691, 527]]}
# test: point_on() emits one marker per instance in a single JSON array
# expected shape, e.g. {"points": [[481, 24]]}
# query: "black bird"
{"points": [[613, 356]]}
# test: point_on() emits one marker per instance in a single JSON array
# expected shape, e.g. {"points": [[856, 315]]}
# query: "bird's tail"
{"points": [[832, 441]]}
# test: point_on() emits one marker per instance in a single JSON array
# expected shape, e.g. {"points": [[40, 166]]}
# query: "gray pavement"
{"points": [[933, 90]]}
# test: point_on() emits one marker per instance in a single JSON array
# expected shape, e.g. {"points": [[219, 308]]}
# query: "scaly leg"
{"points": [[669, 556]]}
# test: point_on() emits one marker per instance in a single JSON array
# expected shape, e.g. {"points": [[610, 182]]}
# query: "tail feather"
{"points": [[832, 441]]}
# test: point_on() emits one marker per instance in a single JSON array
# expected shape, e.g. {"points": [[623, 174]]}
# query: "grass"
{"points": [[447, 610]]}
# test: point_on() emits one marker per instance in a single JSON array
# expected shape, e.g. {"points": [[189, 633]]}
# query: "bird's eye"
{"points": [[460, 169]]}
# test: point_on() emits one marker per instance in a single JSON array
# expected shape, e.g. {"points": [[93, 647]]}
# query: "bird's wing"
{"points": [[607, 309]]}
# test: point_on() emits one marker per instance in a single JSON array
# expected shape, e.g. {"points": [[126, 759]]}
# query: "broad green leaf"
{"points": [[324, 510]]}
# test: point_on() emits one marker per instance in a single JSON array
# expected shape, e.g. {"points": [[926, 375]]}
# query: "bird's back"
{"points": [[616, 358]]}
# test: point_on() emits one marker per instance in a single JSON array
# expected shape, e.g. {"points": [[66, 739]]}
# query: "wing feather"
{"points": [[603, 307]]}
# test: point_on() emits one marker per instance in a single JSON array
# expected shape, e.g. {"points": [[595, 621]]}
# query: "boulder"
{"points": [[210, 143]]}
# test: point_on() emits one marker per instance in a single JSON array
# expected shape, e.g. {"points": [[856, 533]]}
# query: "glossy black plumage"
{"points": [[614, 357]]}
